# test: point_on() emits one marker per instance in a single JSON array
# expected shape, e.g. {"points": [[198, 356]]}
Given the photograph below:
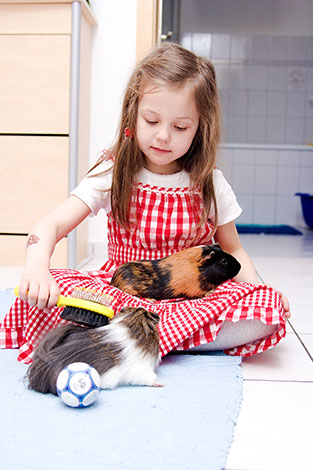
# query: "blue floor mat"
{"points": [[268, 229], [187, 424]]}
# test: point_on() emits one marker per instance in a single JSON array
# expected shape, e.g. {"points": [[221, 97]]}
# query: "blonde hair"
{"points": [[170, 65]]}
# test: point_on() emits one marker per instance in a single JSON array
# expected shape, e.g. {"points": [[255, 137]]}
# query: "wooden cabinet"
{"points": [[45, 50], [149, 25]]}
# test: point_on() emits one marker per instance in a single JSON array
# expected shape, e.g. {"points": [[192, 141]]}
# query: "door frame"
{"points": [[149, 22]]}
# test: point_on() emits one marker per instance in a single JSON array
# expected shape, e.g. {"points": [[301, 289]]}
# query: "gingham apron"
{"points": [[163, 221]]}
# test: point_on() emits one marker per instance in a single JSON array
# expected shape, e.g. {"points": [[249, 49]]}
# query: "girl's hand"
{"points": [[38, 287], [285, 303]]}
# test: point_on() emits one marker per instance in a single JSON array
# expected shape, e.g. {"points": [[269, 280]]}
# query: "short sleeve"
{"points": [[95, 188], [228, 208]]}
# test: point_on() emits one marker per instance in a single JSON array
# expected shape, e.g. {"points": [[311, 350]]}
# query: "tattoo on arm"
{"points": [[32, 239]]}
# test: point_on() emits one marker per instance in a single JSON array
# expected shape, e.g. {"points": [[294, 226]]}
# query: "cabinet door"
{"points": [[34, 84], [33, 179], [12, 251], [35, 17]]}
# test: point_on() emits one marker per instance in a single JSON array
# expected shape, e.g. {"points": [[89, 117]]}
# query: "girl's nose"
{"points": [[163, 134]]}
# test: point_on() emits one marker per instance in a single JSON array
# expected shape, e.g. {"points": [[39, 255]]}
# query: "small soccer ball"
{"points": [[78, 385]]}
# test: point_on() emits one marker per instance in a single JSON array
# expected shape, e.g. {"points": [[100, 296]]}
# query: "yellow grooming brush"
{"points": [[85, 306]]}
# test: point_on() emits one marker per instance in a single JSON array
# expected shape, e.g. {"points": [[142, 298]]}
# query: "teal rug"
{"points": [[187, 424]]}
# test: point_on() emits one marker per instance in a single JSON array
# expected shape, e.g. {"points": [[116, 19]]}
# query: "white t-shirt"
{"points": [[95, 191]]}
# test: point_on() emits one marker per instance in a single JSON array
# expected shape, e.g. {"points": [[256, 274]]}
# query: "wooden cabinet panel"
{"points": [[35, 19], [46, 12], [12, 251], [33, 179], [44, 125], [148, 26], [35, 84]]}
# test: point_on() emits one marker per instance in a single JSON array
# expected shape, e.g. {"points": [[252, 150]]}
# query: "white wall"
{"points": [[263, 54], [291, 17], [113, 58], [266, 179]]}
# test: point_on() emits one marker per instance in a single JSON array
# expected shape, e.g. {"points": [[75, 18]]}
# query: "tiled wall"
{"points": [[266, 179], [266, 89], [265, 84]]}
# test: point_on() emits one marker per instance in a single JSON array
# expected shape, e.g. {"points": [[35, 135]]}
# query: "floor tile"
{"points": [[289, 328], [280, 245], [10, 276], [287, 361], [308, 342], [289, 272], [274, 429], [93, 263], [302, 317]]}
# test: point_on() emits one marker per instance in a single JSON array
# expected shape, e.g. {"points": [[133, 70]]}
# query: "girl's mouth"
{"points": [[160, 151]]}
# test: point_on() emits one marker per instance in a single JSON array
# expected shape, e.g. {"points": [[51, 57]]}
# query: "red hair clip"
{"points": [[128, 133]]}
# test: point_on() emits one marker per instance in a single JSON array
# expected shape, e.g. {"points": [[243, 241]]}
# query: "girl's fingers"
{"points": [[286, 305], [54, 296], [23, 290], [32, 296], [44, 293], [43, 296], [49, 294]]}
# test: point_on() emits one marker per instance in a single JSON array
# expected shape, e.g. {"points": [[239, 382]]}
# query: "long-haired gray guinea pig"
{"points": [[124, 352], [189, 273]]}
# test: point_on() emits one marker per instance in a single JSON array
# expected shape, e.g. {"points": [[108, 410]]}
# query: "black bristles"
{"points": [[84, 317]]}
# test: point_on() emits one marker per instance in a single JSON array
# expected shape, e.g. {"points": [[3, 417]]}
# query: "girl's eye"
{"points": [[151, 122], [180, 128]]}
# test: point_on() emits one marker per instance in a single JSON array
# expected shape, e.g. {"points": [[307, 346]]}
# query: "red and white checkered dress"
{"points": [[167, 222]]}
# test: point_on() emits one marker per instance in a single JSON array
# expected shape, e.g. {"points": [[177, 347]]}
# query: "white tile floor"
{"points": [[274, 429]]}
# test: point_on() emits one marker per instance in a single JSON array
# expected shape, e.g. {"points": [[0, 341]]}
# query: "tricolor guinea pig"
{"points": [[189, 273], [124, 352]]}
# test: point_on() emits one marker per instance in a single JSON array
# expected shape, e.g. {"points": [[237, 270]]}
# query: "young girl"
{"points": [[162, 193]]}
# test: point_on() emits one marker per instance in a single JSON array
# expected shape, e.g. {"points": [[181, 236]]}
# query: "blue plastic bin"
{"points": [[307, 207]]}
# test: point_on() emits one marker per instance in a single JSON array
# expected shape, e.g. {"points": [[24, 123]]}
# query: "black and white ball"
{"points": [[78, 385]]}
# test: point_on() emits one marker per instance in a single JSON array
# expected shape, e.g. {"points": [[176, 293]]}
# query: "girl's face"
{"points": [[167, 122]]}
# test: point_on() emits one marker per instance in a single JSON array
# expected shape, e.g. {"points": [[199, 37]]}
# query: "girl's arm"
{"points": [[37, 286], [228, 238]]}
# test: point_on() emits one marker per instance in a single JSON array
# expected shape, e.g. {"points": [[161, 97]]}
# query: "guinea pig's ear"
{"points": [[216, 245], [207, 257], [153, 317]]}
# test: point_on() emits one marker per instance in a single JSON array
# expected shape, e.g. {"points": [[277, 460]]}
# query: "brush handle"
{"points": [[81, 303], [85, 305]]}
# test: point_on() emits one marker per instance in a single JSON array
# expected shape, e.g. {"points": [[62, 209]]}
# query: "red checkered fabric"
{"points": [[164, 221]]}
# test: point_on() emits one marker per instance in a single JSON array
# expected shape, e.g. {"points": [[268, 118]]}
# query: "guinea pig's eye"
{"points": [[223, 260]]}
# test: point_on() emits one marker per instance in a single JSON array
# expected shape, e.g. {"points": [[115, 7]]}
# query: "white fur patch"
{"points": [[136, 368]]}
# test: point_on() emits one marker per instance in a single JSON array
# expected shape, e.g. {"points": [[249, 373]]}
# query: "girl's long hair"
{"points": [[170, 65]]}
